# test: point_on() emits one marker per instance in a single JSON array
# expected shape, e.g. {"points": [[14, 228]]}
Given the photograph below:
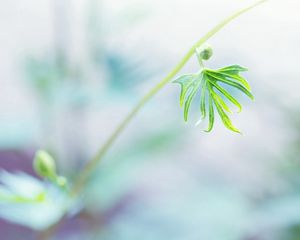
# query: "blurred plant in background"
{"points": [[27, 201], [62, 93], [66, 90]]}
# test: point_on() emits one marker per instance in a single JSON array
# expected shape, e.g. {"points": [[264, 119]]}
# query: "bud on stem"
{"points": [[44, 164], [205, 52]]}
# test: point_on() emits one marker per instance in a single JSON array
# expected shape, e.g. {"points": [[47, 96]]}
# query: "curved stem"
{"points": [[92, 164]]}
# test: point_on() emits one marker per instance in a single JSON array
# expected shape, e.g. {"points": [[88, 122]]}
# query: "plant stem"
{"points": [[200, 60], [92, 164]]}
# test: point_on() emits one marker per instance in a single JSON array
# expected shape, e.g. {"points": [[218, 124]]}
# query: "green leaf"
{"points": [[186, 82], [233, 69], [191, 96], [203, 100], [225, 119], [206, 82], [228, 96], [233, 72], [220, 101], [216, 77], [211, 115], [236, 78]]}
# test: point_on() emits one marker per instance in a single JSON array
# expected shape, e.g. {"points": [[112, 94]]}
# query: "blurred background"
{"points": [[71, 69]]}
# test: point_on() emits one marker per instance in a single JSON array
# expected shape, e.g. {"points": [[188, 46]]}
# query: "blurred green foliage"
{"points": [[30, 202]]}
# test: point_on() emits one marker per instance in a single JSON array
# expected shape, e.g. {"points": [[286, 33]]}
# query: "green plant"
{"points": [[213, 97], [207, 82]]}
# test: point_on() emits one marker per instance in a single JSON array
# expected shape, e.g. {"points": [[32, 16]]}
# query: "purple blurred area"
{"points": [[16, 160]]}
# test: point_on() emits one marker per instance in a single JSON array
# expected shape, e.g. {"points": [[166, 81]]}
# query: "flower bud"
{"points": [[44, 165], [206, 52]]}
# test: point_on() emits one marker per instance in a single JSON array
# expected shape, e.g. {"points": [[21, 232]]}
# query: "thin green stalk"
{"points": [[200, 60], [92, 164]]}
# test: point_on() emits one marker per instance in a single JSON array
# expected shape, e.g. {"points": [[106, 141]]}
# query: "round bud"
{"points": [[206, 52], [44, 164]]}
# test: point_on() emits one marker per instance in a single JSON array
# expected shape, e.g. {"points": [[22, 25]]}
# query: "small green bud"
{"points": [[44, 165], [206, 52]]}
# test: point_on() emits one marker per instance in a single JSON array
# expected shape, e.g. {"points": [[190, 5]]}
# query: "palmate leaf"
{"points": [[212, 95]]}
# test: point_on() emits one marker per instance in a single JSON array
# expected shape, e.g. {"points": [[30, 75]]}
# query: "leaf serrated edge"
{"points": [[211, 114], [233, 84], [228, 96], [224, 117], [197, 83], [184, 88]]}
